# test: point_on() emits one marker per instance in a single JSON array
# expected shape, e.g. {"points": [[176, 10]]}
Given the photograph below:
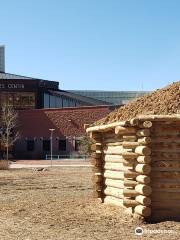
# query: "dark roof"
{"points": [[110, 97], [78, 97], [15, 76]]}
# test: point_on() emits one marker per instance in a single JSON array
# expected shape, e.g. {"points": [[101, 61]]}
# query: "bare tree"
{"points": [[8, 124]]}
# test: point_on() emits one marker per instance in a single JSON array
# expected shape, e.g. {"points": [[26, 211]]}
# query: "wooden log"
{"points": [[113, 150], [112, 191], [96, 162], [98, 186], [146, 201], [113, 144], [143, 179], [124, 130], [144, 159], [114, 166], [114, 183], [144, 140], [143, 150], [173, 204], [97, 169], [165, 169], [145, 124], [130, 202], [129, 145], [106, 127], [143, 189], [98, 194], [113, 201], [143, 168], [172, 117], [129, 155], [134, 122], [143, 133], [113, 174], [129, 138], [95, 135], [130, 183], [96, 155], [97, 178], [129, 163], [159, 156], [129, 192], [113, 158], [143, 210], [130, 174]]}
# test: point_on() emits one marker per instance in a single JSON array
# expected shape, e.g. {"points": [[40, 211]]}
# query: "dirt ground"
{"points": [[57, 204]]}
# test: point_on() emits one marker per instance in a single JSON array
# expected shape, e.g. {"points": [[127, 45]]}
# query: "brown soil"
{"points": [[163, 101], [57, 204]]}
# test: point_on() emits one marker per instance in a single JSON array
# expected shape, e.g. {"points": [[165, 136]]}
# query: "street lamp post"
{"points": [[51, 139]]}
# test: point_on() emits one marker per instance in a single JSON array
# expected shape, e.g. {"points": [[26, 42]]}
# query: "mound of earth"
{"points": [[165, 101]]}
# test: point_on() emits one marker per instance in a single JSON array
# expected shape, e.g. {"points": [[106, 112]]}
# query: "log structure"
{"points": [[136, 165]]}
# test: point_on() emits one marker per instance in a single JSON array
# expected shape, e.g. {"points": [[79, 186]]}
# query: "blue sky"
{"points": [[93, 44]]}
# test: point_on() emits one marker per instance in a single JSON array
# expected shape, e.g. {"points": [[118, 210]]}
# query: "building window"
{"points": [[30, 145], [62, 145], [46, 145], [77, 145]]}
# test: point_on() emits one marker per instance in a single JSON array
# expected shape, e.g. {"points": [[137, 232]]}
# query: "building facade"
{"points": [[34, 125]]}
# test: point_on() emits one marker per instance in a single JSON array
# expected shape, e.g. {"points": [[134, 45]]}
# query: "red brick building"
{"points": [[34, 125]]}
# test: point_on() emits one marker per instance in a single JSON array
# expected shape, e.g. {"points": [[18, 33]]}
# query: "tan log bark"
{"points": [[129, 138], [146, 201], [144, 159], [130, 174], [130, 144], [96, 162], [113, 191], [142, 210], [114, 183], [113, 149], [129, 192], [113, 158], [144, 140], [130, 183], [113, 144], [113, 201], [117, 167], [98, 194], [129, 202], [95, 135], [173, 117], [96, 155], [97, 178], [113, 174], [143, 168], [97, 169], [166, 139], [145, 124], [143, 179], [129, 163], [106, 127], [143, 189], [143, 150], [124, 130], [134, 122], [129, 155], [143, 133]]}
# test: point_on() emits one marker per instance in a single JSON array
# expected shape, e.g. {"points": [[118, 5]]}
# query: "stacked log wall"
{"points": [[137, 166]]}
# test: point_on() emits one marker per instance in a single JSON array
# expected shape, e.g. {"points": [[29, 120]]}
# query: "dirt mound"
{"points": [[164, 101]]}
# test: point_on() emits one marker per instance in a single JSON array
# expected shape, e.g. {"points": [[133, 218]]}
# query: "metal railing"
{"points": [[67, 156]]}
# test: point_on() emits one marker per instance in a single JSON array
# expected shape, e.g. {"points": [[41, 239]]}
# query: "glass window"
{"points": [[30, 145], [46, 145], [62, 145], [77, 145]]}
